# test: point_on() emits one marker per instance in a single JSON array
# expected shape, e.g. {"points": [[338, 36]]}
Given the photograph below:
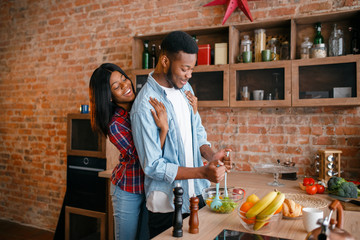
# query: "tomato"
{"points": [[320, 188], [308, 181], [311, 189]]}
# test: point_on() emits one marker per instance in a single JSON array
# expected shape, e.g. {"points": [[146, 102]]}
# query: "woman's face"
{"points": [[121, 89]]}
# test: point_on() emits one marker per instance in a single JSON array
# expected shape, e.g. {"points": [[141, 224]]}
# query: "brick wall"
{"points": [[48, 50]]}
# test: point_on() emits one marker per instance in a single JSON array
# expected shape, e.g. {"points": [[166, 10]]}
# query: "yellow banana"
{"points": [[261, 204], [263, 217]]}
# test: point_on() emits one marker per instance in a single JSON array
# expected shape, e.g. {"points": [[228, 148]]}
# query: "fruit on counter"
{"points": [[311, 189], [243, 210], [308, 181], [320, 188], [340, 187], [291, 208], [263, 217], [261, 204], [252, 198]]}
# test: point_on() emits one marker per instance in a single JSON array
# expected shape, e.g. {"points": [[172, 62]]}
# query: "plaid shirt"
{"points": [[127, 174]]}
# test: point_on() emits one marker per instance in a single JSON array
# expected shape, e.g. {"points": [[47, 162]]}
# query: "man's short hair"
{"points": [[178, 41]]}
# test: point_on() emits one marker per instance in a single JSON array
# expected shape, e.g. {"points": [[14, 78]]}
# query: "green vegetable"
{"points": [[334, 184], [348, 190], [227, 206]]}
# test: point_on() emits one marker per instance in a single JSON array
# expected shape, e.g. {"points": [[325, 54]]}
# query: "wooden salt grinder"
{"points": [[194, 218]]}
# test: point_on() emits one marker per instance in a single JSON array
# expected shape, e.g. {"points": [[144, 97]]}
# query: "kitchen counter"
{"points": [[211, 224]]}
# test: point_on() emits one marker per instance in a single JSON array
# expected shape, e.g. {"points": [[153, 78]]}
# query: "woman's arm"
{"points": [[160, 117]]}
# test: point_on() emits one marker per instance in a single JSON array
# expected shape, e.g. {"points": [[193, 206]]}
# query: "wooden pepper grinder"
{"points": [[194, 218], [177, 219]]}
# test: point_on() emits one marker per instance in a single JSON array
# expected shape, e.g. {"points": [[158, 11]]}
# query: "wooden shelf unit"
{"points": [[290, 29]]}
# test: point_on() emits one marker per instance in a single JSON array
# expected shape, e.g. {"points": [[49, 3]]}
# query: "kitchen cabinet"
{"points": [[300, 82]]}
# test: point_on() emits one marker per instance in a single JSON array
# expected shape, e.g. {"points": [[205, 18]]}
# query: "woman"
{"points": [[111, 97]]}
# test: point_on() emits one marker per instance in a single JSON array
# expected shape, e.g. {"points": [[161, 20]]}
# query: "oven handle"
{"points": [[86, 168]]}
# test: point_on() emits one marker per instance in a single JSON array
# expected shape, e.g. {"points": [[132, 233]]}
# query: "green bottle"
{"points": [[145, 59], [318, 37]]}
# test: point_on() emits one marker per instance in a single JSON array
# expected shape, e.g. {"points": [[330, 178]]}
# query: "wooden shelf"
{"points": [[219, 85]]}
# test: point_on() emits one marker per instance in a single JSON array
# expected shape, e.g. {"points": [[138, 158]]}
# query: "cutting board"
{"points": [[350, 206]]}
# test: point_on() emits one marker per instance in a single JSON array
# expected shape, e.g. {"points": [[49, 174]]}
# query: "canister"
{"points": [[220, 53], [204, 56], [260, 43]]}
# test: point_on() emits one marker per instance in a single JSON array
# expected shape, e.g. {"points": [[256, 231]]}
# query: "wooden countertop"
{"points": [[211, 224], [106, 173]]}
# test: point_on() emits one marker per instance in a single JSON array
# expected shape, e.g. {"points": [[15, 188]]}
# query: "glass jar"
{"points": [[285, 51], [246, 52], [260, 43], [318, 51], [274, 49], [305, 48], [336, 42]]}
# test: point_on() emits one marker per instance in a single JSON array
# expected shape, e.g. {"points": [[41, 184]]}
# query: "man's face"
{"points": [[180, 69]]}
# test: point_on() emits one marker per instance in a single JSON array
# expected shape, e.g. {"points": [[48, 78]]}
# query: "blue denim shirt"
{"points": [[161, 165]]}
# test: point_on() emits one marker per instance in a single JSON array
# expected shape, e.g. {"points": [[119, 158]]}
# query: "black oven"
{"points": [[85, 189]]}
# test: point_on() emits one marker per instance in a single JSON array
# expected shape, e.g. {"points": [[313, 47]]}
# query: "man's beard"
{"points": [[169, 78]]}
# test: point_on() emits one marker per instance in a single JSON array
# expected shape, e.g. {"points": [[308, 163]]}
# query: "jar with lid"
{"points": [[260, 43], [318, 51], [246, 53], [305, 48], [285, 51], [336, 42], [274, 49]]}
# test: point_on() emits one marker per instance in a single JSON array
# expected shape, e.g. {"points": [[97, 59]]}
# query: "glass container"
{"points": [[246, 52], [318, 51], [274, 49], [260, 43], [305, 48], [336, 42], [285, 51]]}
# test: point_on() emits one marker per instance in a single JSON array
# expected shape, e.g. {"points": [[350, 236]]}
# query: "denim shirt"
{"points": [[161, 165]]}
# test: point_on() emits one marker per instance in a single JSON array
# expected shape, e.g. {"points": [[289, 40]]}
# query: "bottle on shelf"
{"points": [[305, 48], [355, 41], [336, 42], [285, 51], [145, 55], [153, 58], [318, 37], [197, 42], [319, 48]]}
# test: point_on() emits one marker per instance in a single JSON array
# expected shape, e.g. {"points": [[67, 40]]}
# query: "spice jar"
{"points": [[318, 51], [274, 49], [246, 53], [305, 48], [260, 43]]}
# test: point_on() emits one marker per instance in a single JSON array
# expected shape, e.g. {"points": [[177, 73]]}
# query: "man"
{"points": [[180, 160]]}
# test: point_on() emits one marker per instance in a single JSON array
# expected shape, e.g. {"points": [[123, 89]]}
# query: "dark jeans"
{"points": [[159, 222]]}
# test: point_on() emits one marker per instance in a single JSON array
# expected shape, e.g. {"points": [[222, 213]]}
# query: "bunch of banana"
{"points": [[265, 208]]}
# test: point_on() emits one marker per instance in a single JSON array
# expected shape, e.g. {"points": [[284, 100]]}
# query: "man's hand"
{"points": [[224, 157], [215, 171]]}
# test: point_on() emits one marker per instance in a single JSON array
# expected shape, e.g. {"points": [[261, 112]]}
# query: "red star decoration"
{"points": [[231, 6]]}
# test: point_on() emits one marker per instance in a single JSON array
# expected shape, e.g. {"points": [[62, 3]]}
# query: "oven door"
{"points": [[85, 189]]}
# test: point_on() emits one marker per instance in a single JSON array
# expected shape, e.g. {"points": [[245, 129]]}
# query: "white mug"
{"points": [[310, 218], [258, 94]]}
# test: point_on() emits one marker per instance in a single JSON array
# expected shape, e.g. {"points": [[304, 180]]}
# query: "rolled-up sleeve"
{"points": [[147, 143]]}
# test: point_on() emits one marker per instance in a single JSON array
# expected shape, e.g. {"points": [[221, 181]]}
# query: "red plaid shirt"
{"points": [[127, 174]]}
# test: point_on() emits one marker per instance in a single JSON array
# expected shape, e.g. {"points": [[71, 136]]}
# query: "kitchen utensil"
{"points": [[275, 169], [348, 200], [216, 203], [225, 188], [331, 229]]}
